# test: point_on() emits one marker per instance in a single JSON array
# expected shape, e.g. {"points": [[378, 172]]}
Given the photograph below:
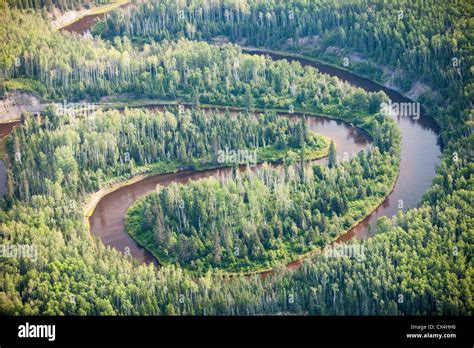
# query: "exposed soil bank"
{"points": [[419, 157], [16, 103], [86, 22], [420, 152], [107, 219]]}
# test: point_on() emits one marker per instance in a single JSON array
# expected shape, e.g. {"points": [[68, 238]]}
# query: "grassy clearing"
{"points": [[26, 85], [3, 148], [109, 7]]}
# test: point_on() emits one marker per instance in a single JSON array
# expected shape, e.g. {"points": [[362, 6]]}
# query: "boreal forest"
{"points": [[236, 157]]}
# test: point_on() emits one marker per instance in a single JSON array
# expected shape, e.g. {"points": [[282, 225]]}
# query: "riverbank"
{"points": [[368, 207], [292, 262], [68, 18], [157, 169], [83, 22], [360, 223], [412, 95], [416, 196]]}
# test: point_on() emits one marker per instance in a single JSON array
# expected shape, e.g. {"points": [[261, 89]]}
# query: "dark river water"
{"points": [[107, 221], [419, 157], [85, 23]]}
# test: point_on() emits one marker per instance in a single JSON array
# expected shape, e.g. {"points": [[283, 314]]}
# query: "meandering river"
{"points": [[420, 154], [419, 157], [107, 221]]}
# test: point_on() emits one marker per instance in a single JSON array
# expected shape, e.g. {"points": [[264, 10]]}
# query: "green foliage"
{"points": [[425, 254], [332, 160], [399, 43], [24, 85], [62, 5], [79, 154], [255, 221], [80, 67]]}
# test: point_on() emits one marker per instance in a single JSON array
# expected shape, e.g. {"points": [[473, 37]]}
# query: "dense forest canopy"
{"points": [[82, 154], [427, 41], [62, 5], [185, 70], [418, 263], [253, 221]]}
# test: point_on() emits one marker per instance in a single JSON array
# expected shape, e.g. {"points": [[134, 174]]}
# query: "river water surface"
{"points": [[107, 221], [419, 157]]}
